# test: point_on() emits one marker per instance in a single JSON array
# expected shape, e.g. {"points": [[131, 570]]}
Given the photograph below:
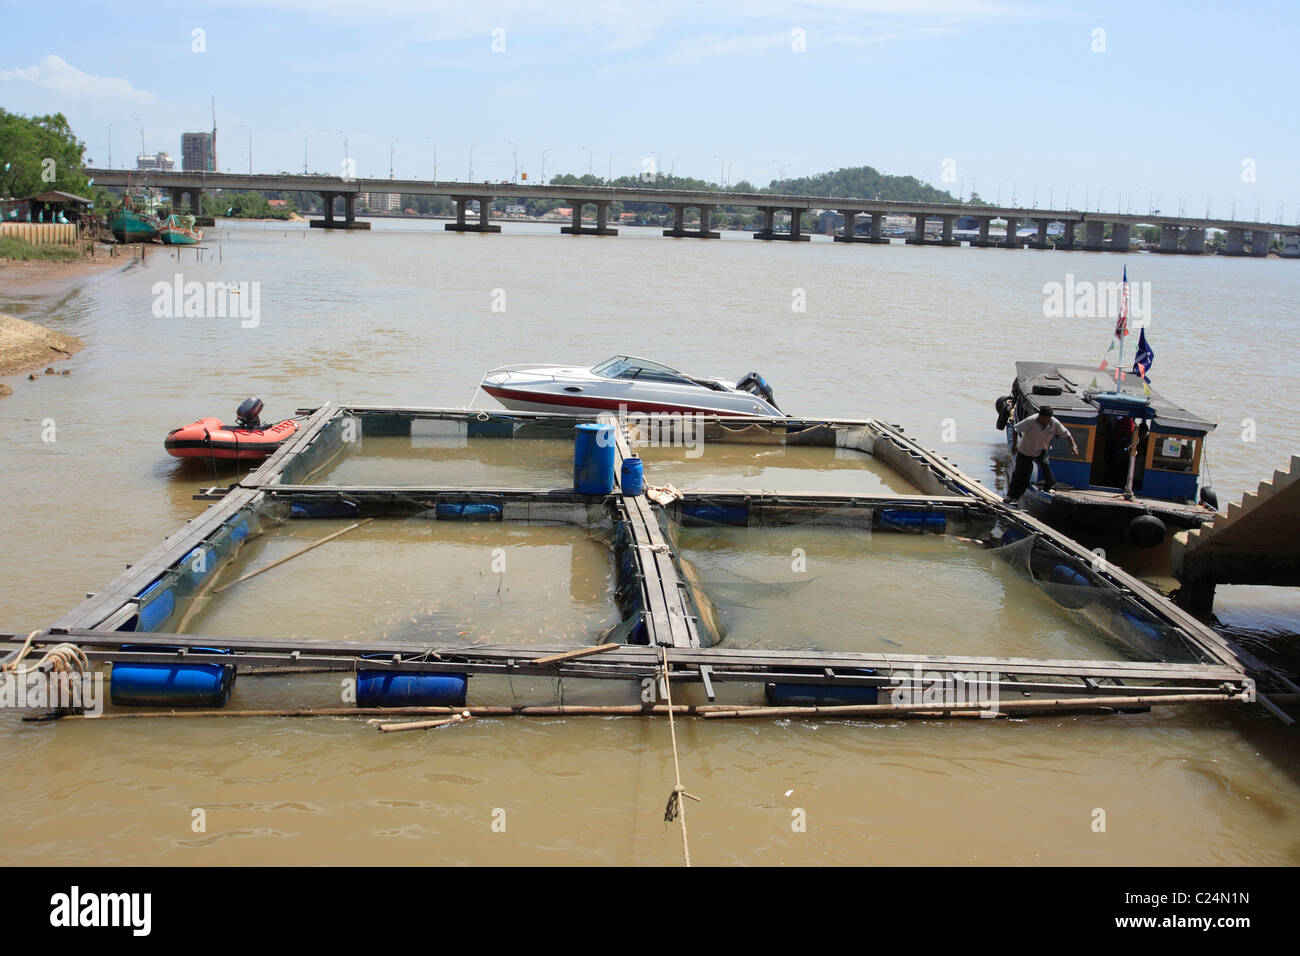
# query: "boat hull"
{"points": [[524, 400], [132, 227], [179, 237], [1092, 514], [208, 438]]}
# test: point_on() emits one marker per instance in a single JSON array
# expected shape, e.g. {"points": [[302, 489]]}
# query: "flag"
{"points": [[1121, 325], [1145, 356]]}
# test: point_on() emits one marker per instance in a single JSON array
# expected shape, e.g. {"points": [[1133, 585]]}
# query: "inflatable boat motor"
{"points": [[248, 415]]}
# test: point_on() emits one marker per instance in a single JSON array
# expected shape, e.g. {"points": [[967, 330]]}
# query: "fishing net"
{"points": [[1116, 619]]}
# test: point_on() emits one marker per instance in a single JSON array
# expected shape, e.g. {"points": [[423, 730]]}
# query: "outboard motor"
{"points": [[755, 384], [249, 412]]}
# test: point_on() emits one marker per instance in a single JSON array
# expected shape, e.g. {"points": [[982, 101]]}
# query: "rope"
{"points": [[676, 809], [60, 659]]}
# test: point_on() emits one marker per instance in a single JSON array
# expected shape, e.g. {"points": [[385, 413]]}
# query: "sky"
{"points": [[1122, 106]]}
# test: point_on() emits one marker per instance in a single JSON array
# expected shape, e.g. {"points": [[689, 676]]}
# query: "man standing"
{"points": [[1030, 442]]}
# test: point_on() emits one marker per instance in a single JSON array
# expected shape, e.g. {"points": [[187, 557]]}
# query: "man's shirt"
{"points": [[1035, 438]]}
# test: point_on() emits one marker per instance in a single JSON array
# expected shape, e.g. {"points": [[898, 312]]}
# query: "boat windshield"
{"points": [[627, 366]]}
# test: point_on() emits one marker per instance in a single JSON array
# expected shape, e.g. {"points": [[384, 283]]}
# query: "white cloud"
{"points": [[55, 74]]}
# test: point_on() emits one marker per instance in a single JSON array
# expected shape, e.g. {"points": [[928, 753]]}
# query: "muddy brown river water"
{"points": [[926, 338]]}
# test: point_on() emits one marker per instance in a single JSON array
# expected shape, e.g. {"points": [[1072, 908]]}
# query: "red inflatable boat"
{"points": [[247, 440]]}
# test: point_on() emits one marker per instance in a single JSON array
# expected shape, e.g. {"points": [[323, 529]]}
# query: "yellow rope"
{"points": [[676, 808]]}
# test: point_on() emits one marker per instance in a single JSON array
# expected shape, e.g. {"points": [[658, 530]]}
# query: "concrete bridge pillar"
{"points": [[877, 225], [984, 240], [349, 207], [796, 226], [196, 202], [1169, 237], [1290, 246], [1067, 240], [328, 200], [1236, 242], [1012, 241], [1120, 234], [918, 230], [679, 218], [1195, 241], [602, 219], [484, 212], [176, 196], [1040, 237], [461, 205], [948, 223], [1094, 235], [1259, 240], [850, 221]]}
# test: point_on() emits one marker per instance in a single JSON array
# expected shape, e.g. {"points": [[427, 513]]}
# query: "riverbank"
{"points": [[25, 345], [28, 274]]}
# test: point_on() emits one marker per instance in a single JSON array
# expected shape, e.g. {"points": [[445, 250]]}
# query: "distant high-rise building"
{"points": [[159, 161], [199, 152], [381, 202]]}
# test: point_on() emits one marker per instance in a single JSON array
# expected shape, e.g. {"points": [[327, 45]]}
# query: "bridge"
{"points": [[1082, 230]]}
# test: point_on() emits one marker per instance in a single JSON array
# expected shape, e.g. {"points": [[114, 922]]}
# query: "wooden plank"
{"points": [[720, 659], [269, 470], [573, 655]]}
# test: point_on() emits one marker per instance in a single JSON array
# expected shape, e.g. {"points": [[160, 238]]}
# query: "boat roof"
{"points": [[1075, 383]]}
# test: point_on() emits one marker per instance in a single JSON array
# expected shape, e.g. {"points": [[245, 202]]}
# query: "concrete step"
{"points": [[1268, 488]]}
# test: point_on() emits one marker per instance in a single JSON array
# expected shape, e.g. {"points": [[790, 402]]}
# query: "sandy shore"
{"points": [[25, 345]]}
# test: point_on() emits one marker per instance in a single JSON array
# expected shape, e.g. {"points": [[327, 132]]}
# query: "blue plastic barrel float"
{"points": [[921, 521], [388, 688], [633, 476], [148, 684], [593, 459], [820, 695]]}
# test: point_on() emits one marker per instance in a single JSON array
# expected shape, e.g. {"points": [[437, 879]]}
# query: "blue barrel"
{"points": [[633, 477], [922, 521], [819, 695], [593, 459], [468, 511], [389, 688], [171, 685]]}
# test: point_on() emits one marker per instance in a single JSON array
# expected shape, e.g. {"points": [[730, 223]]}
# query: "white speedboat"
{"points": [[629, 384]]}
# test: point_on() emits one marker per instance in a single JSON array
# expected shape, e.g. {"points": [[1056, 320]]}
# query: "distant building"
{"points": [[382, 202], [159, 161], [199, 152]]}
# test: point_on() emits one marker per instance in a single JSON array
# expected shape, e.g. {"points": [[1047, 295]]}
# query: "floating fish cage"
{"points": [[446, 559]]}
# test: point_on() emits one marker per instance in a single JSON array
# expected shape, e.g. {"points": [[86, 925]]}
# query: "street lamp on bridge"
{"points": [[1013, 190], [305, 140], [250, 146], [471, 163], [609, 168]]}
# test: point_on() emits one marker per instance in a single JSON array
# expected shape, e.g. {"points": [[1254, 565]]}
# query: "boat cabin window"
{"points": [[1173, 452], [1061, 448], [627, 367]]}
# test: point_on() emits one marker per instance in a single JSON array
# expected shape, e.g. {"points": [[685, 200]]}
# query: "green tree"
{"points": [[40, 153]]}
